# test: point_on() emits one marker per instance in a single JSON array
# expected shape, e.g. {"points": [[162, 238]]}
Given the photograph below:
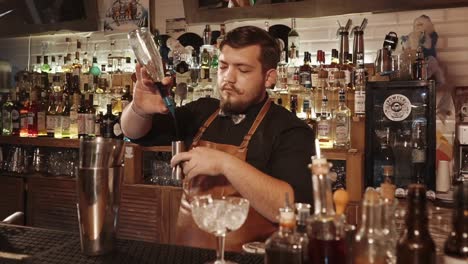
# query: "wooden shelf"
{"points": [[41, 141]]}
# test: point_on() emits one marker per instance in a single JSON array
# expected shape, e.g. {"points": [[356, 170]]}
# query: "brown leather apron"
{"points": [[255, 228]]}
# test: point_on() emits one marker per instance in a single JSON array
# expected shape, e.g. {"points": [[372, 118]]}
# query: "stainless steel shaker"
{"points": [[100, 176], [177, 172]]}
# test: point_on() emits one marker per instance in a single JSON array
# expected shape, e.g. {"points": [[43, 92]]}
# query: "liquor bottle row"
{"points": [[325, 237], [61, 116]]}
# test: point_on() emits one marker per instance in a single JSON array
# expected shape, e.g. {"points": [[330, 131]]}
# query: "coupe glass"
{"points": [[219, 216]]}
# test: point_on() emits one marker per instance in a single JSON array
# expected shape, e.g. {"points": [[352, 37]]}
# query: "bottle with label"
{"points": [[456, 245], [369, 244], [416, 245], [324, 126], [32, 116], [282, 69], [98, 124], [284, 246], [293, 44], [108, 123], [315, 70], [15, 115], [117, 130], [65, 118], [420, 66], [82, 117], [7, 125], [311, 122], [360, 93], [205, 64], [90, 116], [418, 156], [58, 117], [326, 229], [305, 72], [51, 116], [24, 119], [42, 115], [74, 115], [342, 123], [320, 91]]}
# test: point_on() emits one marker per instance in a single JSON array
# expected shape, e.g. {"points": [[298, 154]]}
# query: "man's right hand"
{"points": [[146, 98]]}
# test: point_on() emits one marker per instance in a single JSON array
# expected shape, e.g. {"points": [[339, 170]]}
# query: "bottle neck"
{"points": [[417, 219], [323, 203], [371, 218]]}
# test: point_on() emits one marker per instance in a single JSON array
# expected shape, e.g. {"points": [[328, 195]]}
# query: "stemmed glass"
{"points": [[219, 216]]}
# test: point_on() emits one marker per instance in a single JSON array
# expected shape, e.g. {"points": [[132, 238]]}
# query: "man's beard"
{"points": [[226, 103]]}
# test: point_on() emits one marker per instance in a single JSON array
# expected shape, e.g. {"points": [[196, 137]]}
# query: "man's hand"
{"points": [[202, 161], [146, 98]]}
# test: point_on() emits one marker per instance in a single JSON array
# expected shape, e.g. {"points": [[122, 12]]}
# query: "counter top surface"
{"points": [[20, 244]]}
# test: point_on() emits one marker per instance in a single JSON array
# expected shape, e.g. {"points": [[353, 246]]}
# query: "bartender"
{"points": [[243, 143]]}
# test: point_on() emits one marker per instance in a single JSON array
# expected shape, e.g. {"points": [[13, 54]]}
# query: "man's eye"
{"points": [[222, 67], [244, 70]]}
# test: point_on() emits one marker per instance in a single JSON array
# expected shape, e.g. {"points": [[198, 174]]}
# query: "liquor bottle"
{"points": [[81, 121], [65, 118], [293, 104], [58, 117], [58, 64], [326, 228], [420, 66], [15, 115], [342, 123], [309, 120], [456, 245], [74, 116], [369, 245], [32, 116], [222, 35], [320, 91], [360, 93], [129, 68], [126, 97], [205, 64], [90, 116], [214, 66], [108, 123], [45, 66], [110, 58], [194, 69], [94, 70], [7, 125], [324, 125], [315, 70], [305, 72], [42, 116], [293, 44], [51, 119], [416, 245], [418, 156], [284, 246], [384, 162], [67, 65], [117, 129], [85, 65], [333, 67], [207, 35], [24, 119], [282, 69], [38, 65], [98, 124]]}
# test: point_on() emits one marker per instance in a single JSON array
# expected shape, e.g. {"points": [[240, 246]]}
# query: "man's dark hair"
{"points": [[242, 37]]}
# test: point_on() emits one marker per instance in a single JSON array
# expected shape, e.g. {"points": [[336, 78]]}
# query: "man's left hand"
{"points": [[201, 161]]}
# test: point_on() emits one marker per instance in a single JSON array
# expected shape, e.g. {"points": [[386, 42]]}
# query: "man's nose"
{"points": [[230, 75]]}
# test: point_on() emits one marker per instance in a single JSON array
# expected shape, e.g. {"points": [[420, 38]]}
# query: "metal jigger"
{"points": [[177, 172]]}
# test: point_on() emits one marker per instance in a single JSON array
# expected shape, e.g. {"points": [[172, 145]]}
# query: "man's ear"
{"points": [[270, 78]]}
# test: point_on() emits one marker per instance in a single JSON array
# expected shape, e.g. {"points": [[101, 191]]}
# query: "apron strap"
{"points": [[258, 120], [204, 127]]}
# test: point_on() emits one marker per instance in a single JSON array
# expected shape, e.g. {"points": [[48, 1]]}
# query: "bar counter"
{"points": [[19, 244]]}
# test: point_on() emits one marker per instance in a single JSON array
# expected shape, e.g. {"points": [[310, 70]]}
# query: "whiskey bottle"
{"points": [[32, 116], [81, 121], [342, 123], [284, 246], [23, 116], [324, 126], [98, 124], [90, 116], [42, 115], [15, 115], [108, 123], [58, 117], [282, 69], [65, 118], [456, 245], [74, 115], [205, 64], [416, 245], [305, 72]]}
